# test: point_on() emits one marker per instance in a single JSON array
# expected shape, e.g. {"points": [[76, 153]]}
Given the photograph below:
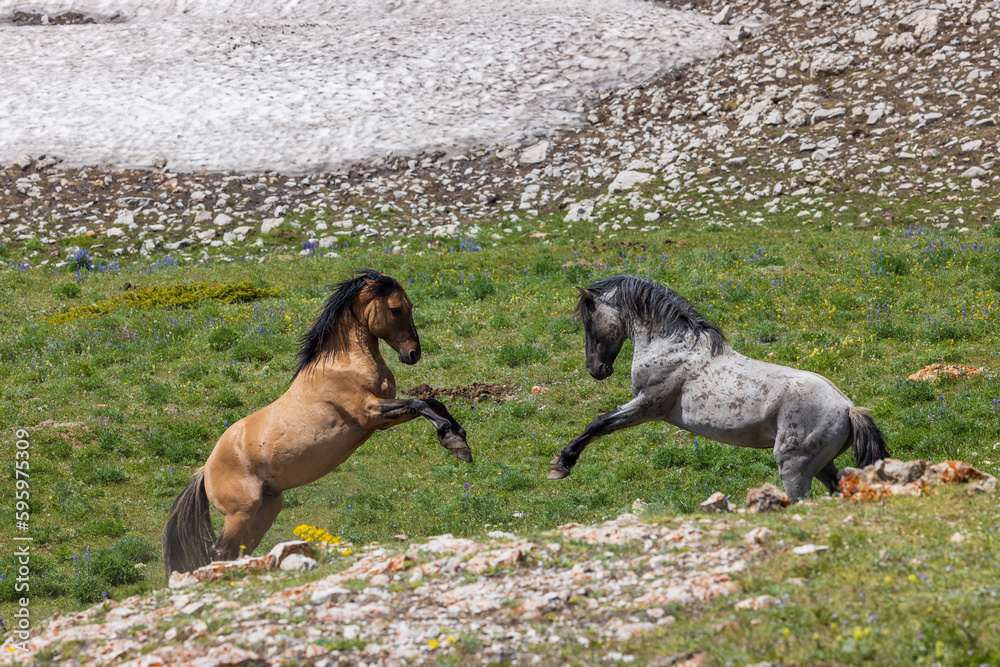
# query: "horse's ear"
{"points": [[586, 295]]}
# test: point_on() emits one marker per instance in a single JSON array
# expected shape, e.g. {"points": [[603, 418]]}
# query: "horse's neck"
{"points": [[647, 339], [360, 344], [356, 348]]}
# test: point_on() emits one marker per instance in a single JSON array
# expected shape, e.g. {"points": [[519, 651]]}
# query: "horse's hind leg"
{"points": [[270, 505], [239, 501], [828, 475], [800, 458]]}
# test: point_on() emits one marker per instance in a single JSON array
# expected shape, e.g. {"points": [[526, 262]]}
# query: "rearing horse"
{"points": [[685, 373], [341, 393]]}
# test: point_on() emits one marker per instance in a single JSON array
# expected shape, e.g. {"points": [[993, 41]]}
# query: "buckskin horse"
{"points": [[685, 373], [341, 393]]}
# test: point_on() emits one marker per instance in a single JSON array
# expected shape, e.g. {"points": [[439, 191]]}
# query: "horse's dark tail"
{"points": [[869, 445], [188, 535]]}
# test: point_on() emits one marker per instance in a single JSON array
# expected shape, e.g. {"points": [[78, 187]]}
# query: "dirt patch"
{"points": [[951, 371], [476, 391]]}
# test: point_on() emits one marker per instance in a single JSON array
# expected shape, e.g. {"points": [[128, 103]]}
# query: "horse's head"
{"points": [[604, 330], [389, 315]]}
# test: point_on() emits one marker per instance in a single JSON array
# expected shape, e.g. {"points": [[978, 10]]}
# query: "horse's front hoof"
{"points": [[458, 447], [559, 471]]}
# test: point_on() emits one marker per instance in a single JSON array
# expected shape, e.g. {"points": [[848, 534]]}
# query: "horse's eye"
{"points": [[394, 311]]}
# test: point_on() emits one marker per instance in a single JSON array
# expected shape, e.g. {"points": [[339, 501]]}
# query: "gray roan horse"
{"points": [[684, 372]]}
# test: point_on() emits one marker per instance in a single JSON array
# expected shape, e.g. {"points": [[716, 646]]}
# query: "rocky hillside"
{"points": [[575, 595], [873, 96]]}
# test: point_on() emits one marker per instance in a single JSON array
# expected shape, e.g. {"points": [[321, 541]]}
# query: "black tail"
{"points": [[188, 535], [869, 445]]}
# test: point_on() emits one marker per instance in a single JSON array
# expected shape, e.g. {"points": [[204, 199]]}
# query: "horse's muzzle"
{"points": [[410, 358], [602, 372]]}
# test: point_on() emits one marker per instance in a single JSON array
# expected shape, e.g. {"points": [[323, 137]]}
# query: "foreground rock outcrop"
{"points": [[609, 583], [890, 477]]}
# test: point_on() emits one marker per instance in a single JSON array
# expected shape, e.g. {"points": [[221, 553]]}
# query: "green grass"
{"points": [[154, 385], [892, 589]]}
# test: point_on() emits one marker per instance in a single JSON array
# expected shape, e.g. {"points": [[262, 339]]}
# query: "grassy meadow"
{"points": [[132, 386]]}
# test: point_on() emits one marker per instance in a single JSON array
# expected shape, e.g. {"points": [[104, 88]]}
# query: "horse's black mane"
{"points": [[336, 305], [650, 301]]}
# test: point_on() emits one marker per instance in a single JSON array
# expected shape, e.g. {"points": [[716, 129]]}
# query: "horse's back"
{"points": [[747, 402]]}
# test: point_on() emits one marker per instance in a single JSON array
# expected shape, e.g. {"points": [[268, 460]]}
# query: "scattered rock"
{"points": [[807, 549], [535, 154], [923, 23], [283, 550], [22, 162], [725, 15], [580, 211], [717, 503], [759, 602], [898, 43], [830, 64], [298, 562], [757, 537], [269, 224], [627, 180], [767, 498], [890, 477]]}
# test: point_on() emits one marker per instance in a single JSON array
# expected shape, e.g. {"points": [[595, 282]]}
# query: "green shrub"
{"points": [[227, 398], [222, 338], [156, 393], [253, 350], [518, 354], [770, 331], [442, 291], [92, 471], [482, 288], [579, 274], [670, 456], [184, 451], [546, 266], [167, 484], [113, 442], [893, 264], [88, 588], [46, 581], [185, 430], [66, 291], [44, 536], [107, 526], [193, 373], [173, 296], [136, 549], [907, 393], [115, 569]]}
